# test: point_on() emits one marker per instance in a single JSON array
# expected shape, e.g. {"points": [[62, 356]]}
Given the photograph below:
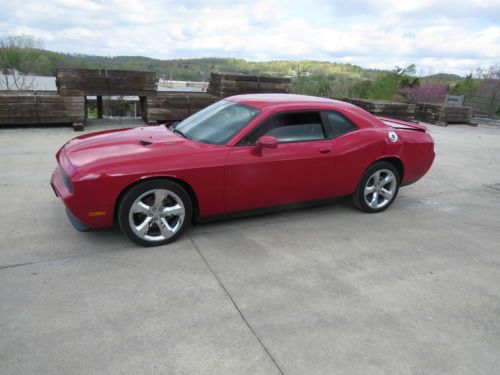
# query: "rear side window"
{"points": [[336, 124], [290, 127]]}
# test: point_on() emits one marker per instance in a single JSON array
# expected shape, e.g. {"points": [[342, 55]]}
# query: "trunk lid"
{"points": [[400, 124]]}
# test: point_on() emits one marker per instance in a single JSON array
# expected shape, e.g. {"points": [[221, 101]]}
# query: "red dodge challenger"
{"points": [[242, 154]]}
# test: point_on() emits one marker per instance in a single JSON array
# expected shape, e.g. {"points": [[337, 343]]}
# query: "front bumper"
{"points": [[61, 191], [81, 203], [72, 218]]}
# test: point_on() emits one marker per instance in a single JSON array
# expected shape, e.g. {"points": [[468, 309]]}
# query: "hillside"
{"points": [[444, 77], [46, 62], [321, 78]]}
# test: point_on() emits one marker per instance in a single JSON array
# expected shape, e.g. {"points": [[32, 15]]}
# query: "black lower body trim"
{"points": [[54, 188], [77, 223], [273, 209]]}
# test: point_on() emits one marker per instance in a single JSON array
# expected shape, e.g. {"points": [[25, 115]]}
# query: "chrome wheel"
{"points": [[156, 215], [380, 188]]}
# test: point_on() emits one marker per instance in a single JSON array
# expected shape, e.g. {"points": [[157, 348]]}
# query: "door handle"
{"points": [[324, 150]]}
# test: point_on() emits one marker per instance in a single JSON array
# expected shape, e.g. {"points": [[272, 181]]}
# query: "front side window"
{"points": [[217, 123], [289, 127]]}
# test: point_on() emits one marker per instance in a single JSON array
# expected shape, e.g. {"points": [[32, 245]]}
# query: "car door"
{"points": [[299, 169]]}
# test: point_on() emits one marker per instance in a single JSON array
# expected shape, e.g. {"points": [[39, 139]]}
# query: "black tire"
{"points": [[146, 190], [359, 199]]}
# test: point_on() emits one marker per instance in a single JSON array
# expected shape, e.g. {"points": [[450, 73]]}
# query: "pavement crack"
{"points": [[7, 266], [24, 264], [38, 261], [214, 274]]}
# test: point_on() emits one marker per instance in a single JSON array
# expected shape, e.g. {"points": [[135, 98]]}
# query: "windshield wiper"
{"points": [[173, 129], [179, 132]]}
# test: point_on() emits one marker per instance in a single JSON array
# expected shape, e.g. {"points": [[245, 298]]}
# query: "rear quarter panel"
{"points": [[417, 154], [354, 152]]}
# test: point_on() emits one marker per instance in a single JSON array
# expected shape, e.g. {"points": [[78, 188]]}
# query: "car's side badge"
{"points": [[393, 137]]}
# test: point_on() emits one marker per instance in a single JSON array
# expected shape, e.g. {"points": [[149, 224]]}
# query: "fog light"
{"points": [[97, 213]]}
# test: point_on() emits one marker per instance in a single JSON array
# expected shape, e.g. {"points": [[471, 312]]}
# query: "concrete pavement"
{"points": [[326, 290]]}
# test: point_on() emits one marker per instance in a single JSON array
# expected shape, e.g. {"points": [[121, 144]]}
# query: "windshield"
{"points": [[217, 123]]}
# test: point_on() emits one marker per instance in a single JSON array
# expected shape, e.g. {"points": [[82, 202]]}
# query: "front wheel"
{"points": [[154, 212], [378, 188]]}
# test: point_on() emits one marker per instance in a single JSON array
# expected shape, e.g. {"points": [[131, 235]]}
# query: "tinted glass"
{"points": [[336, 124], [217, 123], [295, 133], [290, 127]]}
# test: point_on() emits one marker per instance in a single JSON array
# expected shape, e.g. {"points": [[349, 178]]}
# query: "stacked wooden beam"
{"points": [[224, 85], [175, 106], [39, 109], [442, 115], [402, 111], [99, 82]]}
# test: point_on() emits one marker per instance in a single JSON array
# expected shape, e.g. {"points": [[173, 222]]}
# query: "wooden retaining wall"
{"points": [[402, 111], [224, 85], [103, 82], [41, 109], [442, 115], [175, 106], [432, 113]]}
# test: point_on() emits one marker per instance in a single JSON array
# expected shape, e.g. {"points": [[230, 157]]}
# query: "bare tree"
{"points": [[493, 72], [17, 60]]}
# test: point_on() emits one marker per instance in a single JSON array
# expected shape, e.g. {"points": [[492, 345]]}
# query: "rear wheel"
{"points": [[154, 212], [378, 188]]}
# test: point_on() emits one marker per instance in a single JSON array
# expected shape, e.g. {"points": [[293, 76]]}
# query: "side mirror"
{"points": [[266, 141]]}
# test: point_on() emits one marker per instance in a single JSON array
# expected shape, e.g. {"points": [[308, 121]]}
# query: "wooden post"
{"points": [[143, 102], [99, 106], [78, 126]]}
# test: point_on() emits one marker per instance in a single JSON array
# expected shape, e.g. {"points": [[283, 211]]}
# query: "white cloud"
{"points": [[441, 35]]}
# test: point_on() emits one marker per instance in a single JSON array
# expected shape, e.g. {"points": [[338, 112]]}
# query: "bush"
{"points": [[427, 92], [466, 86], [360, 89], [332, 86], [385, 87]]}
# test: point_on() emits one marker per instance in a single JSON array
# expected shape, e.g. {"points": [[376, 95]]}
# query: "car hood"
{"points": [[121, 145]]}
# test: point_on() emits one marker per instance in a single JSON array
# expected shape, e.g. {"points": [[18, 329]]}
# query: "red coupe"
{"points": [[242, 154]]}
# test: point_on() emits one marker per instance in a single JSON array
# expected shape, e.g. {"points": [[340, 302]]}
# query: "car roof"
{"points": [[261, 101]]}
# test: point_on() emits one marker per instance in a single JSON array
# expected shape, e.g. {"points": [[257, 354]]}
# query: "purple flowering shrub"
{"points": [[426, 92]]}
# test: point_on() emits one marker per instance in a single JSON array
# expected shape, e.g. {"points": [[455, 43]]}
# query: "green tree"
{"points": [[469, 84], [385, 87]]}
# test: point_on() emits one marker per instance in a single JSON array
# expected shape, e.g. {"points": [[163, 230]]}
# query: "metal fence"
{"points": [[488, 106]]}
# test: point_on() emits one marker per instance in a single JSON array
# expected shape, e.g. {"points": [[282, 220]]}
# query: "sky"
{"points": [[450, 36]]}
